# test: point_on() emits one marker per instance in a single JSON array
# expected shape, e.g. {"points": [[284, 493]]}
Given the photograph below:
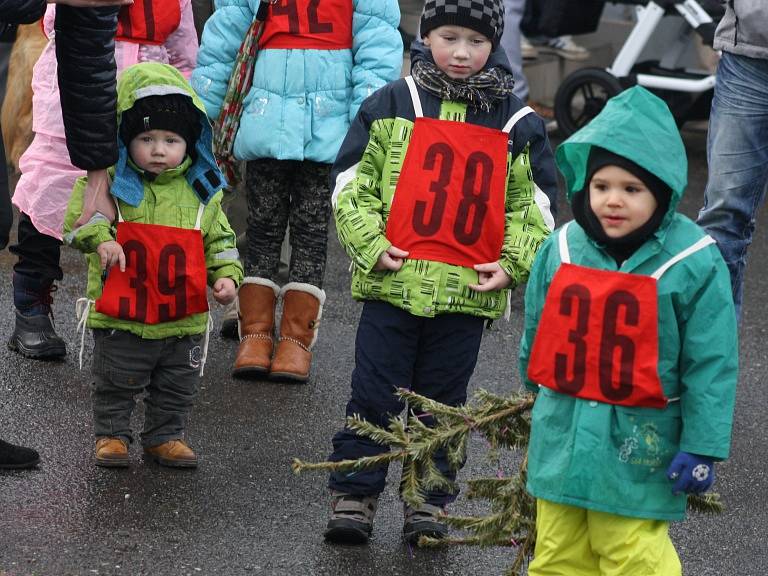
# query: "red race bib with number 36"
{"points": [[449, 201], [598, 338], [164, 278]]}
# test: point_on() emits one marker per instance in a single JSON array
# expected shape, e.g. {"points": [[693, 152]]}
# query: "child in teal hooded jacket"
{"points": [[630, 342]]}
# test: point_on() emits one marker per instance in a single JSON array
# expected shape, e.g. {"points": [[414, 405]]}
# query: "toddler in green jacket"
{"points": [[630, 342], [148, 272]]}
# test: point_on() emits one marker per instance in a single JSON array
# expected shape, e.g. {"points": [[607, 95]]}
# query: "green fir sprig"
{"points": [[505, 423]]}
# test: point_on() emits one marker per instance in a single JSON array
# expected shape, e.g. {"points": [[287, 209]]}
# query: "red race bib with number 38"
{"points": [[598, 338], [449, 201], [164, 278]]}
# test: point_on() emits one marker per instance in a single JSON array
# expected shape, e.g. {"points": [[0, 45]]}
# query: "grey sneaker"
{"points": [[426, 520], [351, 518]]}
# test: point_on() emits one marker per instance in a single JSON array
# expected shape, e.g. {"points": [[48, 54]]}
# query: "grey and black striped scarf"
{"points": [[480, 91]]}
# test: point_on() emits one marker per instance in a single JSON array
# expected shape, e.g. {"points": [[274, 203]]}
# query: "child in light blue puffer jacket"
{"points": [[317, 61]]}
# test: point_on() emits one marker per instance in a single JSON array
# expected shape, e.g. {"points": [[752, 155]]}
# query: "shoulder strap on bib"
{"points": [[700, 245], [414, 96], [516, 117], [562, 242]]}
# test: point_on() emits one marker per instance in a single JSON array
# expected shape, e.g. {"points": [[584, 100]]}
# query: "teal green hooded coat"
{"points": [[613, 458], [169, 200]]}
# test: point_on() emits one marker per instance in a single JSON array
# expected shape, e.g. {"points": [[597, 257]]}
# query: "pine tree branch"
{"points": [[299, 466], [709, 503]]}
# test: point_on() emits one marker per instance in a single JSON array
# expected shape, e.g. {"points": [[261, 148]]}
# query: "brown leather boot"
{"points": [[302, 309], [111, 452], [174, 453], [256, 300]]}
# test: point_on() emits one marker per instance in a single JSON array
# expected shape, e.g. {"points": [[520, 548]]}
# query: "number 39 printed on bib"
{"points": [[597, 338], [164, 278]]}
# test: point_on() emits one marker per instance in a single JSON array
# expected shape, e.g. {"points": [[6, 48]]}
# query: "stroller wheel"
{"points": [[582, 96]]}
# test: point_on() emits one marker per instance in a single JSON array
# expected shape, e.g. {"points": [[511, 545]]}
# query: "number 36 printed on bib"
{"points": [[598, 338]]}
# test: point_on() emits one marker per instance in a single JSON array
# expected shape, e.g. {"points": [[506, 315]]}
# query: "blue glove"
{"points": [[692, 474]]}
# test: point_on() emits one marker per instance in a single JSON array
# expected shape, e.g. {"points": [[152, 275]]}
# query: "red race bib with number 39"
{"points": [[449, 201], [308, 24], [598, 338], [164, 278]]}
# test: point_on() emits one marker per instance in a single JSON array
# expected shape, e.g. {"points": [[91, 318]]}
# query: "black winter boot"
{"points": [[16, 457], [34, 335]]}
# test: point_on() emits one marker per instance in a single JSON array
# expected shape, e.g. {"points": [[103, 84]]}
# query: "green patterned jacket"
{"points": [[365, 177]]}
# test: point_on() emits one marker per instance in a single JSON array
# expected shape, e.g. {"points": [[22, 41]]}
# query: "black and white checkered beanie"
{"points": [[484, 16]]}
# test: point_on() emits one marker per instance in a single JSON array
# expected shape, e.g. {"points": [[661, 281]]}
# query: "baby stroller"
{"points": [[583, 94]]}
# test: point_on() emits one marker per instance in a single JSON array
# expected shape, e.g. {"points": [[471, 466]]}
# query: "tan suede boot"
{"points": [[111, 452], [256, 300], [302, 309], [173, 453]]}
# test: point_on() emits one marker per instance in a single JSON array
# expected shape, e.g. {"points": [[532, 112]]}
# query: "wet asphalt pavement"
{"points": [[244, 512]]}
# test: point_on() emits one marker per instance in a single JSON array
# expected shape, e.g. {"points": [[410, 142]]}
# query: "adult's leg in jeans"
{"points": [[737, 154], [268, 188], [510, 41], [39, 255], [310, 213]]}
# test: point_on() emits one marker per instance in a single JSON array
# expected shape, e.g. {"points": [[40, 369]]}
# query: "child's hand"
{"points": [[224, 290], [491, 276], [691, 473], [111, 253], [391, 259]]}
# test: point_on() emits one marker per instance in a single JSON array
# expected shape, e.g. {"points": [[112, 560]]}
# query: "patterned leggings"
{"points": [[283, 192]]}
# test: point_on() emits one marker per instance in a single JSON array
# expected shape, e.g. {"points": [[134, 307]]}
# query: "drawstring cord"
{"points": [[82, 308], [208, 328]]}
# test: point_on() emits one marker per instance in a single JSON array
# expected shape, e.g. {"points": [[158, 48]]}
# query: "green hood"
{"points": [[152, 79], [155, 79], [637, 125]]}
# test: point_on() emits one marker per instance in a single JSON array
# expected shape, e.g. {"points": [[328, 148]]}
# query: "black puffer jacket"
{"points": [[85, 51], [20, 12]]}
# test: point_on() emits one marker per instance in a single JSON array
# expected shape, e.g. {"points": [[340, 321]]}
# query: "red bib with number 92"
{"points": [[449, 201], [164, 278], [598, 337]]}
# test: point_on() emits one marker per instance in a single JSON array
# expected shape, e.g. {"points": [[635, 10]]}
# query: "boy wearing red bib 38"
{"points": [[630, 341], [147, 273], [436, 204]]}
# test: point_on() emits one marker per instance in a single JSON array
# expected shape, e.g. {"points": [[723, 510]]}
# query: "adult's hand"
{"points": [[91, 3], [96, 198]]}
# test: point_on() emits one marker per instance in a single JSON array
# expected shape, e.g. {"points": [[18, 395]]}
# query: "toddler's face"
{"points": [[458, 51], [620, 200], [157, 150]]}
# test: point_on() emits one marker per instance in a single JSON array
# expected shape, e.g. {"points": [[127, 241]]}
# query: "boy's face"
{"points": [[620, 200], [458, 51], [157, 150]]}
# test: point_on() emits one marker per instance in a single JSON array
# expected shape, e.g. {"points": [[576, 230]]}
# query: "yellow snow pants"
{"points": [[573, 541]]}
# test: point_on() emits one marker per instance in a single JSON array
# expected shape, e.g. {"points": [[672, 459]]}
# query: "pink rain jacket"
{"points": [[47, 175]]}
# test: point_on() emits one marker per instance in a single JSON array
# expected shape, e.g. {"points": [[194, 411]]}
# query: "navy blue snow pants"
{"points": [[434, 357]]}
